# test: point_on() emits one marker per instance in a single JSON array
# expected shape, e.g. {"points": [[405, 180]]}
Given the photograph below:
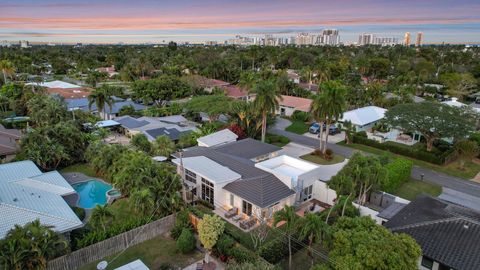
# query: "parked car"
{"points": [[315, 129]]}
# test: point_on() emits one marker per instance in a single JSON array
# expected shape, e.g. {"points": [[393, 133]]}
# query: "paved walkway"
{"points": [[451, 182]]}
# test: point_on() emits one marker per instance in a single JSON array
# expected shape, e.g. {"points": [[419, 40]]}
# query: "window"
{"points": [[247, 208], [232, 199], [307, 193], [207, 191], [190, 176], [427, 263]]}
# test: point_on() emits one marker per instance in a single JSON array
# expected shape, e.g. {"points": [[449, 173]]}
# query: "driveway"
{"points": [[434, 177], [331, 138], [295, 150], [281, 123]]}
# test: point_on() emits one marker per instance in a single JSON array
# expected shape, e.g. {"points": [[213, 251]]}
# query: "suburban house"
{"points": [[27, 194], [363, 119], [290, 104], [249, 177], [447, 233], [455, 103], [152, 127], [9, 139], [109, 70], [217, 138], [293, 76], [64, 89], [229, 89], [236, 92], [109, 113]]}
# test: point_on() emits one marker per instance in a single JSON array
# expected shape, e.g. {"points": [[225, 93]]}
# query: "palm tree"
{"points": [[100, 215], [7, 69], [143, 200], [291, 220], [349, 129], [335, 97], [163, 146], [266, 101], [101, 96], [319, 113], [313, 228]]}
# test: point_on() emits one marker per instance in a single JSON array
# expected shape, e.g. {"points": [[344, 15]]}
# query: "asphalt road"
{"points": [[457, 184]]}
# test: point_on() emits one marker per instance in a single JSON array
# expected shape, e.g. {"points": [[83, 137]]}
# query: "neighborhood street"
{"points": [[460, 185]]}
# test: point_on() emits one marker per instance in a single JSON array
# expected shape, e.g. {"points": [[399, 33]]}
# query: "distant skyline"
{"points": [[142, 21]]}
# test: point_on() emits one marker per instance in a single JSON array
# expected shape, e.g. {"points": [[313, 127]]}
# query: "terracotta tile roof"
{"points": [[235, 91], [298, 103]]}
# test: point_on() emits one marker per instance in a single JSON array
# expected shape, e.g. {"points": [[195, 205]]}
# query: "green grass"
{"points": [[80, 168], [277, 140], [411, 189], [154, 253], [470, 170], [298, 127], [123, 210], [319, 160]]}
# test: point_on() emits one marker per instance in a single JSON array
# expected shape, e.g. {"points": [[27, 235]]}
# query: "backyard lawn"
{"points": [[411, 189], [298, 127], [319, 160], [471, 168], [155, 253], [80, 168]]}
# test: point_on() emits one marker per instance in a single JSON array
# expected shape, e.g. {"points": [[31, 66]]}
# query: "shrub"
{"points": [[405, 150], [141, 142], [328, 154], [224, 244], [186, 241], [206, 204], [300, 116], [399, 171], [241, 254], [272, 139], [276, 250], [182, 221]]}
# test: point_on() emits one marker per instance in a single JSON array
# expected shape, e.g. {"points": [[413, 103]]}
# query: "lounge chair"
{"points": [[248, 223], [237, 218], [231, 213]]}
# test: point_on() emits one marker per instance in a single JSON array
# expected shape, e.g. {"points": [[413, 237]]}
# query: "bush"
{"points": [[141, 142], [405, 150], [328, 154], [206, 204], [182, 221], [399, 171], [276, 250], [224, 244], [186, 241], [272, 139], [300, 116], [241, 254]]}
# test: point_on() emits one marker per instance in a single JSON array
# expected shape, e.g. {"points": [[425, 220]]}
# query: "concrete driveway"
{"points": [[331, 138], [295, 150]]}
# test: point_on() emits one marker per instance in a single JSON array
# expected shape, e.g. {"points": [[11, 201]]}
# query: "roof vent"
{"points": [[465, 226], [15, 199]]}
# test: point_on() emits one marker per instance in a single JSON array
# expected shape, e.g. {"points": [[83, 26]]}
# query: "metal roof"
{"points": [[364, 116], [220, 137], [173, 133], [130, 122], [247, 148], [208, 169], [27, 194]]}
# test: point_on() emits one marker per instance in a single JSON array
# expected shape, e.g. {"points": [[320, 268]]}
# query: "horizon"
{"points": [[148, 21]]}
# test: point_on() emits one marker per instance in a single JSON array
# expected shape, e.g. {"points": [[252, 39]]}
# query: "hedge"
{"points": [[186, 241], [399, 171], [276, 250], [300, 116], [406, 150]]}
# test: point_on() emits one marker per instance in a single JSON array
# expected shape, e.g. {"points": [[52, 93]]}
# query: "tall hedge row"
{"points": [[399, 171]]}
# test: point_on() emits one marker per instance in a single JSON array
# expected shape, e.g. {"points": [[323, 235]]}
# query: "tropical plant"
{"points": [[163, 146], [141, 142], [30, 246], [210, 227], [466, 151], [335, 96], [313, 229], [7, 69], [101, 215], [291, 220], [266, 101], [143, 200], [101, 97]]}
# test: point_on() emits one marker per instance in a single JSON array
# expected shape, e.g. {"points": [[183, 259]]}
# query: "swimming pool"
{"points": [[91, 193]]}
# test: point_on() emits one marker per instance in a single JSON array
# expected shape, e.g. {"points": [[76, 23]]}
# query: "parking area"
{"points": [[331, 138], [295, 150]]}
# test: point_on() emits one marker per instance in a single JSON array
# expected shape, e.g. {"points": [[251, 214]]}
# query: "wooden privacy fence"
{"points": [[112, 245]]}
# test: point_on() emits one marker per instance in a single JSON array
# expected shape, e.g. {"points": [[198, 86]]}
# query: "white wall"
{"points": [[322, 193], [288, 110], [365, 211]]}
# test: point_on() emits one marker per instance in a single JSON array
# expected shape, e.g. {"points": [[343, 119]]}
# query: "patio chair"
{"points": [[237, 218], [231, 213], [248, 223]]}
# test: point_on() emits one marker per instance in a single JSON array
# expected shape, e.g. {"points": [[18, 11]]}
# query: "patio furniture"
{"points": [[237, 218], [248, 223], [231, 213]]}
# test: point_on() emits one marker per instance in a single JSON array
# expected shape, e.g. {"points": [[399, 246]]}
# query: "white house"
{"points": [[27, 194], [363, 119]]}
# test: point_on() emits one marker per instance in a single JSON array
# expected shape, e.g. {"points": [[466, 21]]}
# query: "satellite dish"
{"points": [[102, 265]]}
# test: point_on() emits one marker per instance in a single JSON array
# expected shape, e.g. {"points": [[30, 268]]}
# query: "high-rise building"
{"points": [[366, 39], [329, 37], [406, 41], [24, 44], [419, 41]]}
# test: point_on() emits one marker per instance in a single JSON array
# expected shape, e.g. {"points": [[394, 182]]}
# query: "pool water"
{"points": [[91, 193]]}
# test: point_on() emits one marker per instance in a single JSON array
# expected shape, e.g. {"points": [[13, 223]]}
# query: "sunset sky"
{"points": [[138, 21]]}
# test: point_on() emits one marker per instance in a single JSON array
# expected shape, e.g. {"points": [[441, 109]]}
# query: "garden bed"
{"points": [[320, 160]]}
